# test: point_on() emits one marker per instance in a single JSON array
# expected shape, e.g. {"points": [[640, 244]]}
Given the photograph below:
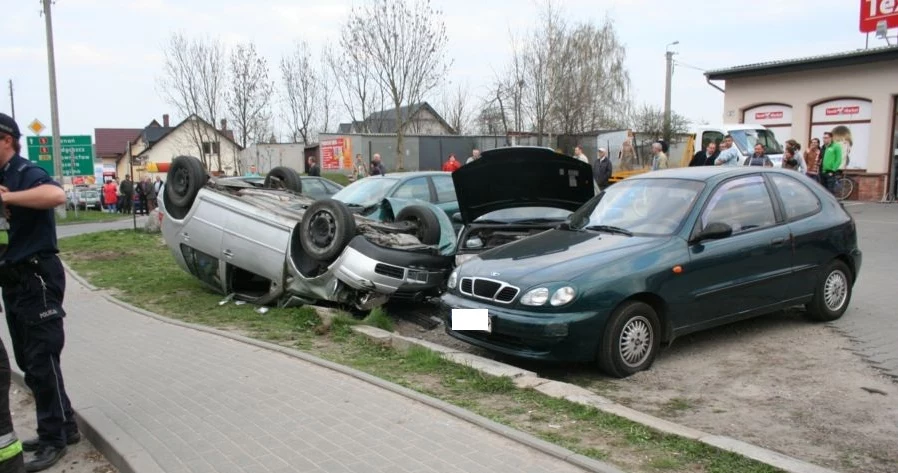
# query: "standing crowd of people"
{"points": [[821, 162], [128, 197]]}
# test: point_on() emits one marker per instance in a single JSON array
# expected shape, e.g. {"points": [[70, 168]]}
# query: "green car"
{"points": [[655, 257]]}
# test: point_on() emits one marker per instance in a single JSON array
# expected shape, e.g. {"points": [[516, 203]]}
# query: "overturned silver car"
{"points": [[274, 246]]}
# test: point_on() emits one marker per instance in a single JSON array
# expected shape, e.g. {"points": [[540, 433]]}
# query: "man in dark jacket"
{"points": [[601, 170], [314, 170], [127, 190], [706, 156]]}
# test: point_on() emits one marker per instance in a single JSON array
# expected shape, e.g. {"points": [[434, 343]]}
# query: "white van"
{"points": [[745, 136]]}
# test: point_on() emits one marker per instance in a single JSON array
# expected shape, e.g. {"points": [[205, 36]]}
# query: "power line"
{"points": [[689, 66]]}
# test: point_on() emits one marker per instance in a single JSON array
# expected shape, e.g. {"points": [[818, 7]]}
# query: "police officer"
{"points": [[33, 283]]}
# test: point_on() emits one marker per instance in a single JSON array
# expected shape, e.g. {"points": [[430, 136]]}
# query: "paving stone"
{"points": [[199, 402]]}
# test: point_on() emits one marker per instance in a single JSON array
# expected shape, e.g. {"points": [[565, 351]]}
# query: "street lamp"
{"points": [[669, 55]]}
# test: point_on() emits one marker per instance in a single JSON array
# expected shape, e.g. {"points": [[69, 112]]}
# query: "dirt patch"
{"points": [[777, 381], [81, 457]]}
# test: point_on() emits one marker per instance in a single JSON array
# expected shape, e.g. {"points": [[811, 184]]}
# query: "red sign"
{"points": [[336, 154], [832, 111], [874, 11], [768, 115]]}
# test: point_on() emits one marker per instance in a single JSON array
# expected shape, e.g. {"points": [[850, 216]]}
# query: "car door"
{"points": [[801, 206], [444, 190], [743, 274], [256, 241]]}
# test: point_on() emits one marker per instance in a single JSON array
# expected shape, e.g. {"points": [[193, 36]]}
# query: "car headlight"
{"points": [[459, 259], [535, 297], [475, 242], [562, 296], [453, 280]]}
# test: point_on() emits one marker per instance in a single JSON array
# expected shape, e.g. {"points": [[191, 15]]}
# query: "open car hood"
{"points": [[505, 178]]}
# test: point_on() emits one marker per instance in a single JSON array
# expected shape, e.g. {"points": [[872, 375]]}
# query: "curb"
{"points": [[119, 448], [523, 379], [523, 438], [526, 379]]}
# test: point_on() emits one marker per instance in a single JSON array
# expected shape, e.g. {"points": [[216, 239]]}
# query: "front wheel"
{"points": [[832, 294], [631, 340]]}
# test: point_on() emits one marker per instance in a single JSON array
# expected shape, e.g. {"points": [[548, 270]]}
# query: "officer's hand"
{"points": [[4, 189]]}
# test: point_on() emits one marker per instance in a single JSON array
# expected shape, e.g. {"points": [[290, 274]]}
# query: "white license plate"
{"points": [[471, 319]]}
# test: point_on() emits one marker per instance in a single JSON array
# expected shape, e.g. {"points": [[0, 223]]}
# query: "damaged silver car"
{"points": [[275, 246]]}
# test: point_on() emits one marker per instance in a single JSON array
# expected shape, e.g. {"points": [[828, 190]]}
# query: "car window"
{"points": [[331, 188], [798, 200], [313, 187], [366, 192], [742, 203], [416, 188], [711, 136], [445, 188], [641, 206]]}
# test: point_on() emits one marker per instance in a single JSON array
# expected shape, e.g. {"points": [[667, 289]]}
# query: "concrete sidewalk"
{"points": [[198, 402]]}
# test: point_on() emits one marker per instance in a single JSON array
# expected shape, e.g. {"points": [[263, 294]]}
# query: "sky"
{"points": [[109, 52]]}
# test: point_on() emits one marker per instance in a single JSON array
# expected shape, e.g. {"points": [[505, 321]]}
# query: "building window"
{"points": [[853, 114], [211, 147], [776, 117]]}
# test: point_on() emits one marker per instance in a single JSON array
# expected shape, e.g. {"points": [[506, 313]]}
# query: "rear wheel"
{"points": [[326, 228], [832, 295], [283, 177], [843, 188], [631, 340], [186, 177], [426, 222]]}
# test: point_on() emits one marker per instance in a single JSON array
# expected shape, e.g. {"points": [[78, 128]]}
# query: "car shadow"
{"points": [[699, 345]]}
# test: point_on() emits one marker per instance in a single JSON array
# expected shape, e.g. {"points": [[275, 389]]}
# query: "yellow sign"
{"points": [[151, 167], [36, 126]]}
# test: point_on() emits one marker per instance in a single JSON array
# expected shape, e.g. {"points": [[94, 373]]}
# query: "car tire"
{"points": [[185, 178], [428, 225], [326, 228], [832, 294], [283, 177], [631, 340]]}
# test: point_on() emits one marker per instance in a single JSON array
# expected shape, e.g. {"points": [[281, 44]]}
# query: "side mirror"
{"points": [[456, 217], [714, 231]]}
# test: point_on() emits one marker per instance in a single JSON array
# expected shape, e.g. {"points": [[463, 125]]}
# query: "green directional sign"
{"points": [[77, 154]]}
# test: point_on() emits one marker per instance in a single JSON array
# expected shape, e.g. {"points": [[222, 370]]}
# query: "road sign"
{"points": [[875, 11], [40, 151], [36, 126]]}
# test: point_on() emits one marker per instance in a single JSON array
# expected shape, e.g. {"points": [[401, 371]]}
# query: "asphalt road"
{"points": [[872, 319], [63, 231]]}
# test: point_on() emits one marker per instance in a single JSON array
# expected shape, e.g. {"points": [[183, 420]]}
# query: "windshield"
{"points": [[525, 213], [746, 140], [366, 192], [640, 206], [89, 195]]}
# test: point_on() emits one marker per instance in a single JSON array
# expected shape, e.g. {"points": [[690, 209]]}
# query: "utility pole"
{"points": [[12, 101], [54, 108], [669, 55]]}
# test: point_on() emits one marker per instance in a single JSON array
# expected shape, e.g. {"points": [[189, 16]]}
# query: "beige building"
{"points": [[802, 98], [155, 148]]}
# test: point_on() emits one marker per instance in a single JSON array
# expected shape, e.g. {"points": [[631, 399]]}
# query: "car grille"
{"points": [[489, 289], [389, 271]]}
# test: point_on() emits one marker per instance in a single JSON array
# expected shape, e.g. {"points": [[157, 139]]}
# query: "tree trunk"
{"points": [[400, 141]]}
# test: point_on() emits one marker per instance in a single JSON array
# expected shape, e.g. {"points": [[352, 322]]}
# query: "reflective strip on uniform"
{"points": [[10, 450], [7, 439]]}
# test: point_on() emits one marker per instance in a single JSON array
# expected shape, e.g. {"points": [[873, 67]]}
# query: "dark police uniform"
{"points": [[33, 304]]}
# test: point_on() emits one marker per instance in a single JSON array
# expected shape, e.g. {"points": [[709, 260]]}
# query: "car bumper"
{"points": [[389, 271], [569, 336], [858, 257]]}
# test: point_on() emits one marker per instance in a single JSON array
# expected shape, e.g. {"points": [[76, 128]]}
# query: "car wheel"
{"points": [[327, 227], [283, 178], [832, 295], [631, 340], [426, 222], [185, 178]]}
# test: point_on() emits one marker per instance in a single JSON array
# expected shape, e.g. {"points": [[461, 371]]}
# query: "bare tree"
{"points": [[455, 107], [301, 92], [404, 42], [193, 80], [328, 85], [355, 85], [566, 78], [249, 97], [649, 120]]}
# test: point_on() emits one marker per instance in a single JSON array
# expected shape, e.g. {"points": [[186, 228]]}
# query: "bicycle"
{"points": [[843, 186]]}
